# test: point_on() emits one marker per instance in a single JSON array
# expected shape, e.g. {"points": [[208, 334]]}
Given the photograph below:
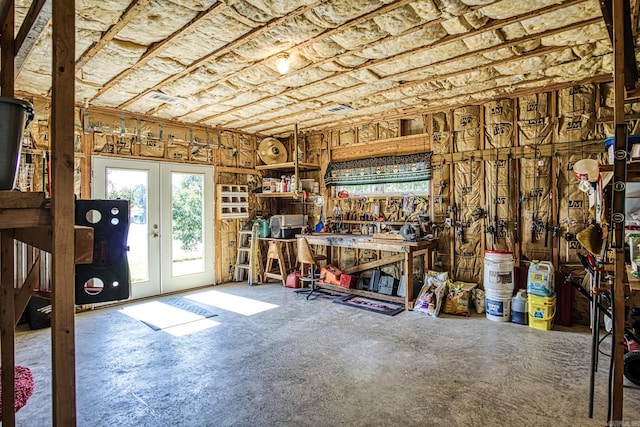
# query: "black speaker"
{"points": [[107, 278]]}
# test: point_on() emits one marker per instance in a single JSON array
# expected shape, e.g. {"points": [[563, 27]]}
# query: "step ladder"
{"points": [[248, 256]]}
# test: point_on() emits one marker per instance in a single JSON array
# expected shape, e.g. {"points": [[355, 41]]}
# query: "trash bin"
{"points": [[15, 117]]}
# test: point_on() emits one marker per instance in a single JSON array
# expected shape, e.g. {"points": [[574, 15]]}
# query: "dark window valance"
{"points": [[410, 167]]}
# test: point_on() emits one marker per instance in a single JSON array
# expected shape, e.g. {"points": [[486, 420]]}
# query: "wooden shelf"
{"points": [[380, 197], [353, 221], [233, 201], [288, 194], [289, 166], [22, 210]]}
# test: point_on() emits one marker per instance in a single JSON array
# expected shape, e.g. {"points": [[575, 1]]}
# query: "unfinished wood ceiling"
{"points": [[215, 60]]}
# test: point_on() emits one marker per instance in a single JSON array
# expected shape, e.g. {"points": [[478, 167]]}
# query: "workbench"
{"points": [[406, 252]]}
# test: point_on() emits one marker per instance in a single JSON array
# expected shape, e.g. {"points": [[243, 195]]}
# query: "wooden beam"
{"points": [[256, 32], [430, 106], [62, 212], [317, 39], [635, 16], [7, 326], [406, 54], [134, 8], [617, 394], [7, 59], [32, 27], [40, 237], [384, 147], [19, 200], [20, 218], [30, 285], [4, 9]]}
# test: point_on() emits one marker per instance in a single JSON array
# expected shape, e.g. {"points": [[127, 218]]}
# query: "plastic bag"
{"points": [[430, 298], [457, 301], [478, 300]]}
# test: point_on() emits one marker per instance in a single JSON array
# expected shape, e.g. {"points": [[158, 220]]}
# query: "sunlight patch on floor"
{"points": [[233, 303], [168, 318]]}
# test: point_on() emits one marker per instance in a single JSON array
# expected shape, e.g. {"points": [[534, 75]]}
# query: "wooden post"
{"points": [[618, 293], [7, 325], [7, 46], [62, 213]]}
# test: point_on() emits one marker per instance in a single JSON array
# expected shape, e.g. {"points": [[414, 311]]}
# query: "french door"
{"points": [[171, 221]]}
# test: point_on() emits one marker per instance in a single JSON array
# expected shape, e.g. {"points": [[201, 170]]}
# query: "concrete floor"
{"points": [[315, 363]]}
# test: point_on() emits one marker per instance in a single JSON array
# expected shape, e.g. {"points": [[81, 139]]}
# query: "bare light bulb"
{"points": [[282, 63]]}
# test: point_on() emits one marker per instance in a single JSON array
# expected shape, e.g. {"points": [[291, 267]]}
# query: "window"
{"points": [[418, 188]]}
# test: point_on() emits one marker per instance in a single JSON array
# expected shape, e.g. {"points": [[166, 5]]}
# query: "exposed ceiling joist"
{"points": [[226, 49], [154, 49], [320, 37], [401, 76], [382, 57], [34, 23], [132, 11]]}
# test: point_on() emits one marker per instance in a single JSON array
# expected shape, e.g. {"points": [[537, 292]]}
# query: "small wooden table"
{"points": [[276, 250], [407, 251]]}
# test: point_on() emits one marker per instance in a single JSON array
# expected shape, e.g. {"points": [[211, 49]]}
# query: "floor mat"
{"points": [[168, 313], [382, 307]]}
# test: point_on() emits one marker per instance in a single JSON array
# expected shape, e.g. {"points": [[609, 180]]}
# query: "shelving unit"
{"points": [[233, 201], [288, 166]]}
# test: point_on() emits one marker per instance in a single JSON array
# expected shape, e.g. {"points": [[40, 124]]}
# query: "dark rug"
{"points": [[382, 307]]}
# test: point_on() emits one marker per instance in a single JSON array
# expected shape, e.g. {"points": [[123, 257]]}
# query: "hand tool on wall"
{"points": [[495, 204], [548, 224], [516, 231]]}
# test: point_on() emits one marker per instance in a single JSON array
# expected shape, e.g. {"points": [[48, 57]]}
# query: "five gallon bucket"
{"points": [[498, 304], [498, 270], [15, 117], [541, 312]]}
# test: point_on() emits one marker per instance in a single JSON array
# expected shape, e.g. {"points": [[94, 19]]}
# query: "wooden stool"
{"points": [[276, 250]]}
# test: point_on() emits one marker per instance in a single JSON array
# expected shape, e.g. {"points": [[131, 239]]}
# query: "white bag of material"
{"points": [[478, 300], [429, 300]]}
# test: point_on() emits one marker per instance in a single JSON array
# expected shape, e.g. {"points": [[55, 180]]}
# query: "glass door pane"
{"points": [[133, 185], [187, 223], [138, 182], [187, 226]]}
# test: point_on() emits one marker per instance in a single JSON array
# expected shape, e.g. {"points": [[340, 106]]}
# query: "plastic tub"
{"points": [[498, 270], [498, 305], [542, 310]]}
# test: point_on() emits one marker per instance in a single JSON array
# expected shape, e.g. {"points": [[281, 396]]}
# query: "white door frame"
{"points": [[159, 214]]}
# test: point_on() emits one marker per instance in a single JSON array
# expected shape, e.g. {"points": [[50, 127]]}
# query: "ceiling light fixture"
{"points": [[282, 63]]}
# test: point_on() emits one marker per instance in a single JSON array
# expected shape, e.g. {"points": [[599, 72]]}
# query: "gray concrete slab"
{"points": [[315, 363]]}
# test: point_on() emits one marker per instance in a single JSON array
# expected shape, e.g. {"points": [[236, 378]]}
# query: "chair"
{"points": [[306, 257]]}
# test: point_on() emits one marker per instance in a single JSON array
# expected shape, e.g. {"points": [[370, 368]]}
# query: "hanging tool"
{"points": [[534, 193], [495, 204], [516, 231], [548, 224]]}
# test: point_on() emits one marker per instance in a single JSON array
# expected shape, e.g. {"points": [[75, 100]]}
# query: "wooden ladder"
{"points": [[248, 256], [243, 257]]}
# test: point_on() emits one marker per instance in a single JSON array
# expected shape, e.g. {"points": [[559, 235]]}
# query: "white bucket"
{"points": [[498, 305], [498, 270]]}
